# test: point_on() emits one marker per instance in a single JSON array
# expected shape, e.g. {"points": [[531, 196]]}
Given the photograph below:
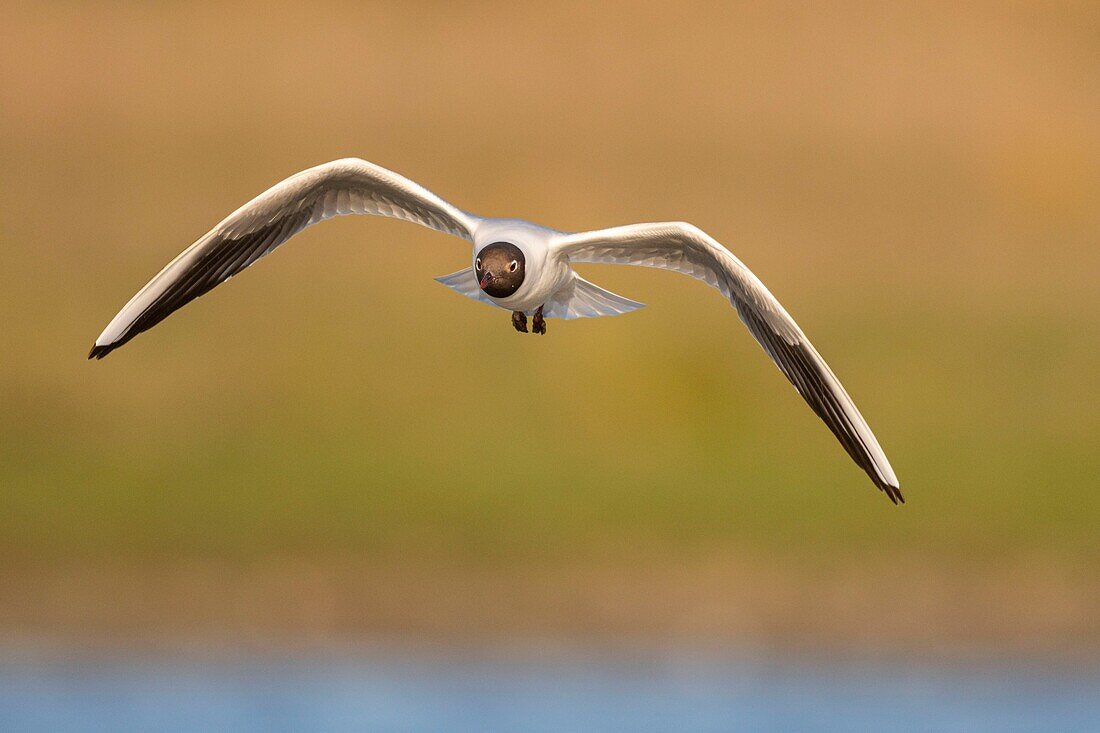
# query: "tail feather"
{"points": [[582, 299]]}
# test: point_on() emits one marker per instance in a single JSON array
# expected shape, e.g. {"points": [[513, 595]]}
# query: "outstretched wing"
{"points": [[348, 186], [685, 248]]}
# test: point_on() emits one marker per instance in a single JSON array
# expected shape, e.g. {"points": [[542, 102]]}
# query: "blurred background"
{"points": [[273, 510]]}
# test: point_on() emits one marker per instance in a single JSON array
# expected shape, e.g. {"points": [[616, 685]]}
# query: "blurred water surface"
{"points": [[472, 691]]}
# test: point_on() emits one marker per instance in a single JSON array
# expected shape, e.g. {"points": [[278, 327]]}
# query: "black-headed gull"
{"points": [[516, 265]]}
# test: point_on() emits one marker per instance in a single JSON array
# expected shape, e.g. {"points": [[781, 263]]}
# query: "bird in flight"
{"points": [[516, 265]]}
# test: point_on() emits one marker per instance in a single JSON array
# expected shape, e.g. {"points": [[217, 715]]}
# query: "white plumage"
{"points": [[353, 186]]}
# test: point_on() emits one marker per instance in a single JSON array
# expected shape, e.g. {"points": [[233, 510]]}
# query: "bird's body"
{"points": [[546, 272], [515, 265]]}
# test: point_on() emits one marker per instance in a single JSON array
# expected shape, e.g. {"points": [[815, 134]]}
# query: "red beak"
{"points": [[485, 280]]}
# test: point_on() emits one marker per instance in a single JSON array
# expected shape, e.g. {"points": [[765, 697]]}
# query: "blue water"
{"points": [[455, 690]]}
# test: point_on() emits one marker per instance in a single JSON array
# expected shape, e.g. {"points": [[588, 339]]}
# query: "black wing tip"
{"points": [[101, 350], [892, 492]]}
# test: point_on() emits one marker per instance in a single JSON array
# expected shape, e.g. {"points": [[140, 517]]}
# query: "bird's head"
{"points": [[500, 269]]}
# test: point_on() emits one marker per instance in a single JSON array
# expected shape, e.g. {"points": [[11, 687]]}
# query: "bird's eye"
{"points": [[513, 266], [477, 263]]}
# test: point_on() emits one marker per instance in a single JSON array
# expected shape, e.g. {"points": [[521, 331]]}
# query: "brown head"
{"points": [[499, 268]]}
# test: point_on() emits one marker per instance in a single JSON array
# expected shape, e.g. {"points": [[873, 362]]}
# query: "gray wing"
{"points": [[687, 249], [349, 186]]}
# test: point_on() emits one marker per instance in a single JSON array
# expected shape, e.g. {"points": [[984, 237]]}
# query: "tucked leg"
{"points": [[538, 324], [519, 320]]}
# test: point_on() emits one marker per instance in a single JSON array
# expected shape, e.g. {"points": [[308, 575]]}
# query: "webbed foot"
{"points": [[538, 324]]}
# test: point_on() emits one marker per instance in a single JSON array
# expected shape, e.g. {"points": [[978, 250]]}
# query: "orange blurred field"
{"points": [[919, 184]]}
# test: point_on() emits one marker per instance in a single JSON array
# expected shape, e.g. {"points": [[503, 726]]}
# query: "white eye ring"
{"points": [[477, 263], [513, 266]]}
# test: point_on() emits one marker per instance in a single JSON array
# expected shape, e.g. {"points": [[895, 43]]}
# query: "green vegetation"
{"points": [[938, 247], [653, 432]]}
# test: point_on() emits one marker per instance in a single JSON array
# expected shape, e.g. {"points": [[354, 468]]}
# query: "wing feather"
{"points": [[684, 248], [348, 186]]}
